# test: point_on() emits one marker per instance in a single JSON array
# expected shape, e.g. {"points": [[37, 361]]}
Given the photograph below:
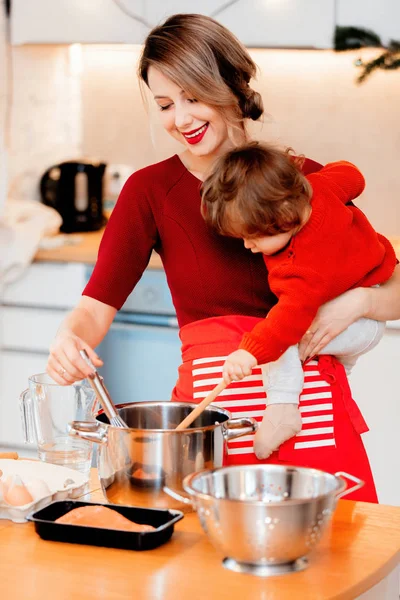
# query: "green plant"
{"points": [[353, 38]]}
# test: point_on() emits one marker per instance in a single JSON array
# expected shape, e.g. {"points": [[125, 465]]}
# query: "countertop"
{"points": [[86, 250], [360, 548]]}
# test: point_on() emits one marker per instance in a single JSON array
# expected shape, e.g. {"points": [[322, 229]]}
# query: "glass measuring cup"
{"points": [[46, 410]]}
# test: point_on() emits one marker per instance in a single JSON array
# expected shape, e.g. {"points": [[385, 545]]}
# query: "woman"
{"points": [[199, 76]]}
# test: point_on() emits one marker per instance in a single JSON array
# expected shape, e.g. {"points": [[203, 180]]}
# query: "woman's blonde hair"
{"points": [[207, 61], [255, 190]]}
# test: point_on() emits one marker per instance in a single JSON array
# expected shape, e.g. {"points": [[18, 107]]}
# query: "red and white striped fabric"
{"points": [[247, 398], [332, 423]]}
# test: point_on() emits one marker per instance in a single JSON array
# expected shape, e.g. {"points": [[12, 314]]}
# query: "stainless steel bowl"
{"points": [[144, 465], [265, 519]]}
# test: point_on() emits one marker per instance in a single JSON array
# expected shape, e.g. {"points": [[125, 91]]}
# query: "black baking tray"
{"points": [[163, 520]]}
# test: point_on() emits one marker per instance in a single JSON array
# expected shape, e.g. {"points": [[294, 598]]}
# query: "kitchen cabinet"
{"points": [[257, 23], [283, 24], [141, 351], [47, 285], [382, 17], [375, 384], [31, 312], [15, 368], [262, 23], [70, 21]]}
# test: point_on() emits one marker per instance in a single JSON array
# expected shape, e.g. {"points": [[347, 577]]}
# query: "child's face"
{"points": [[268, 244]]}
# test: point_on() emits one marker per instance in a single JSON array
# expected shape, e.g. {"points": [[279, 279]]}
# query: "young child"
{"points": [[315, 247]]}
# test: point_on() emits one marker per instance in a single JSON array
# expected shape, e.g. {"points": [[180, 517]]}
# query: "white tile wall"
{"points": [[46, 119], [116, 123]]}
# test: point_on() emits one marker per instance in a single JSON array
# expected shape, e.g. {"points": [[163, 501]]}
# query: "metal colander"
{"points": [[266, 518]]}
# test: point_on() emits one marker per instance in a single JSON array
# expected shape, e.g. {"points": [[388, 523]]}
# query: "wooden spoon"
{"points": [[202, 406]]}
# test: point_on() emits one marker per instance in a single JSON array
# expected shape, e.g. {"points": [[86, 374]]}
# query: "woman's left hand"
{"points": [[331, 319]]}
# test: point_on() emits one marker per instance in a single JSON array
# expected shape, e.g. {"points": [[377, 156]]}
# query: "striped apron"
{"points": [[332, 423]]}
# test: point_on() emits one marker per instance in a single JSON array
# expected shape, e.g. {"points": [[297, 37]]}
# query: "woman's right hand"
{"points": [[65, 364]]}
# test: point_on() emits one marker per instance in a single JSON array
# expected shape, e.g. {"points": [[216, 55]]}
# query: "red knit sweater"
{"points": [[208, 275], [336, 250]]}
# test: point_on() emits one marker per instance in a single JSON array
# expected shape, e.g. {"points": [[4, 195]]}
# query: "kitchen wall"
{"points": [[313, 103], [86, 100], [46, 118]]}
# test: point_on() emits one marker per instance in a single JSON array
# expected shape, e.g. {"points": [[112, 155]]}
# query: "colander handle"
{"points": [[344, 476]]}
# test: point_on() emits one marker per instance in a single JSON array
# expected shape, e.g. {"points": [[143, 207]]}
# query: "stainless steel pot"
{"points": [[145, 464], [265, 519]]}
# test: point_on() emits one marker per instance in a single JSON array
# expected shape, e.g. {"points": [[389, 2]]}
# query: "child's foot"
{"points": [[280, 423]]}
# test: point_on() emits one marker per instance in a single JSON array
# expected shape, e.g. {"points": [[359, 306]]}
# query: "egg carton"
{"points": [[63, 483]]}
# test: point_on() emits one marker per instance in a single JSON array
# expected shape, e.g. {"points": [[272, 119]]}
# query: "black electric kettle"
{"points": [[75, 190]]}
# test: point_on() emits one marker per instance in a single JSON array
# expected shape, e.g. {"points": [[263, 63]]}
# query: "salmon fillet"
{"points": [[103, 517]]}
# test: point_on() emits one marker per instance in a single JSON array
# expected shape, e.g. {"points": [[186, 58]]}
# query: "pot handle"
{"points": [[344, 476], [235, 428], [90, 431]]}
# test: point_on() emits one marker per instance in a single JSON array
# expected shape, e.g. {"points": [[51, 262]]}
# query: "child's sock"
{"points": [[283, 381], [280, 423]]}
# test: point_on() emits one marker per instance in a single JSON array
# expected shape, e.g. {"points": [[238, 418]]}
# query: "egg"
{"points": [[38, 489], [16, 494], [1, 494], [3, 488]]}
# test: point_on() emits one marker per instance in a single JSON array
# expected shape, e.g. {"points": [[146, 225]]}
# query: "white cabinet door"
{"points": [[15, 368], [382, 17], [282, 24], [257, 23], [29, 328], [261, 23], [375, 383], [156, 11], [54, 285], [69, 21]]}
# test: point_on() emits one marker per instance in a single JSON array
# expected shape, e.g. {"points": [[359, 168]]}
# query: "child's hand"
{"points": [[239, 364]]}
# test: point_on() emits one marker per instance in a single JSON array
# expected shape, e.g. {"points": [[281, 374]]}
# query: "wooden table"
{"points": [[360, 549]]}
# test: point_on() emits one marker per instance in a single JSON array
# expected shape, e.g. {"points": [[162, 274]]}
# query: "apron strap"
{"points": [[333, 372]]}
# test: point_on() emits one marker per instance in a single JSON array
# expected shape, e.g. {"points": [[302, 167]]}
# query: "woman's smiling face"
{"points": [[198, 126]]}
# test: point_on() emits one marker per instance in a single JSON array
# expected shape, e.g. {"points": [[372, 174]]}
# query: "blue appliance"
{"points": [[141, 351]]}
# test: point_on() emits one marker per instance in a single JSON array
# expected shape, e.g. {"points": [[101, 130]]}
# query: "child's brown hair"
{"points": [[255, 190]]}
